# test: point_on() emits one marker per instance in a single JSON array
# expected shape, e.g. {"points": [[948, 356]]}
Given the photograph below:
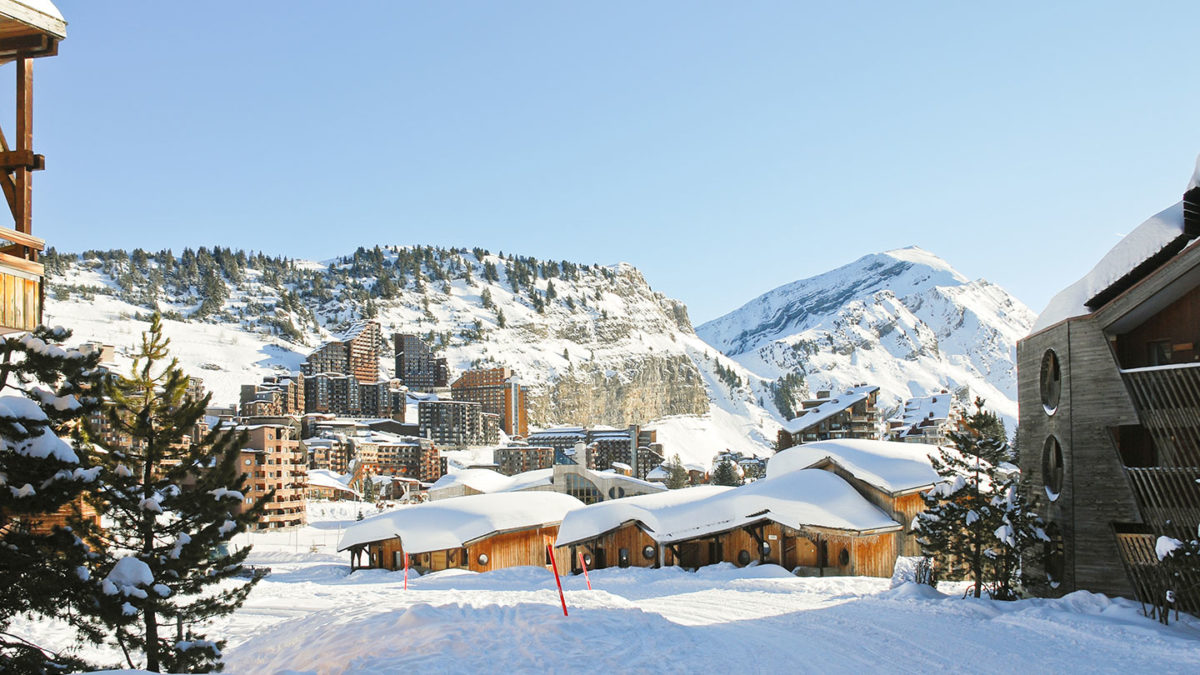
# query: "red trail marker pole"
{"points": [[406, 571], [585, 574], [554, 566]]}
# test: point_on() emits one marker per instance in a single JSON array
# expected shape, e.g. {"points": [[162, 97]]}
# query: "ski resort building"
{"points": [[809, 521], [514, 459], [28, 30], [457, 423], [1109, 394], [275, 395], [928, 419], [580, 482], [416, 366], [892, 476], [851, 414], [499, 392], [603, 446], [478, 533], [354, 352], [273, 460]]}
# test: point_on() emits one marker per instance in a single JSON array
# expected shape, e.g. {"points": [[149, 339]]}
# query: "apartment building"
{"points": [[274, 460], [497, 391], [416, 366], [850, 414]]}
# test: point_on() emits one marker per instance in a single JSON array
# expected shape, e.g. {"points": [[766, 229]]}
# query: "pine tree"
{"points": [[677, 476], [170, 508], [726, 474], [976, 519], [46, 391]]}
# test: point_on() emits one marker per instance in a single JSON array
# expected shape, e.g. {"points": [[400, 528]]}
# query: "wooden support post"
{"points": [[23, 214]]}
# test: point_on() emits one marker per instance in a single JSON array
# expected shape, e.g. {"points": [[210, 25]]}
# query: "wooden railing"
{"points": [[1167, 399]]}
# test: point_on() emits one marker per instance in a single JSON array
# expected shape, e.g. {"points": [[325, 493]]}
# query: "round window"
{"points": [[483, 559], [616, 492], [844, 557], [587, 559], [1052, 467], [765, 548], [648, 552], [1050, 382], [743, 557]]}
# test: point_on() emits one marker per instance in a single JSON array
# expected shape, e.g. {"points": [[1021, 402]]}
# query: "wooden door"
{"points": [[689, 555]]}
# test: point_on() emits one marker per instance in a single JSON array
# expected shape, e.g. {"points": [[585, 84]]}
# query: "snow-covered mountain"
{"points": [[904, 320], [595, 344]]}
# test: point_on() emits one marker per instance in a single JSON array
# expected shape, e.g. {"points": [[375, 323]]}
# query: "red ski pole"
{"points": [[554, 566], [585, 574]]}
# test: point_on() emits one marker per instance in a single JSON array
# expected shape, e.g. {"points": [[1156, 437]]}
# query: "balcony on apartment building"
{"points": [[21, 278]]}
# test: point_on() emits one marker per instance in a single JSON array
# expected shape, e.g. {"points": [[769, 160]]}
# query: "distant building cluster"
{"points": [[850, 414]]}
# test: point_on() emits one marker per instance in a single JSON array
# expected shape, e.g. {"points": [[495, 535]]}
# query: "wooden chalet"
{"points": [[811, 522], [29, 29], [890, 475], [477, 533], [1108, 384]]}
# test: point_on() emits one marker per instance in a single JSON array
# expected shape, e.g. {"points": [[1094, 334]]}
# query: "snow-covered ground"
{"points": [[312, 616]]}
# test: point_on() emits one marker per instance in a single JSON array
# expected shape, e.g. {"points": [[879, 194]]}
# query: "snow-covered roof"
{"points": [[328, 479], [601, 517], [923, 409], [1147, 240], [890, 466], [828, 408], [39, 14], [455, 523], [795, 499], [488, 481]]}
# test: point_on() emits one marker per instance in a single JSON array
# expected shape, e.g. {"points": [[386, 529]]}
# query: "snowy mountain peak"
{"points": [[903, 319]]}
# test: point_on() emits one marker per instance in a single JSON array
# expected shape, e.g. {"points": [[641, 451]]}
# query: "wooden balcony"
{"points": [[1167, 399], [20, 281]]}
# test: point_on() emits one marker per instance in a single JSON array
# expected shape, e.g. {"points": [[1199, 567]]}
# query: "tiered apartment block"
{"points": [[416, 366]]}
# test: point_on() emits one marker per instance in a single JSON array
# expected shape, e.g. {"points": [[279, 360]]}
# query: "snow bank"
{"points": [[452, 523], [889, 466]]}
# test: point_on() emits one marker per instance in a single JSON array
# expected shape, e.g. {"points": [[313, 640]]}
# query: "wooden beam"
{"points": [[27, 266], [15, 237], [14, 159], [17, 46], [24, 140]]}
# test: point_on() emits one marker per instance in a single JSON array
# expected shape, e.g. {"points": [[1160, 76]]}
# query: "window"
{"points": [[743, 557], [583, 489], [1158, 353], [1050, 382], [1055, 558], [648, 552], [1052, 467], [844, 557]]}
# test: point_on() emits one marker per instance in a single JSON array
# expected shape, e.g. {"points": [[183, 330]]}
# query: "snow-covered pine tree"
{"points": [[1021, 530], [958, 527], [677, 476], [170, 508], [726, 474], [45, 390]]}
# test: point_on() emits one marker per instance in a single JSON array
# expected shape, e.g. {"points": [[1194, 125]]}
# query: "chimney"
{"points": [[1191, 212]]}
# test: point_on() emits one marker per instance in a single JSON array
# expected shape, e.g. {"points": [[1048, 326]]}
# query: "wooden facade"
{"points": [[1110, 428], [495, 551], [25, 34], [809, 551], [903, 506]]}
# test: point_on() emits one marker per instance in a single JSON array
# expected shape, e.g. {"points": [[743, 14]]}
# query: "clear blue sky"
{"points": [[723, 148]]}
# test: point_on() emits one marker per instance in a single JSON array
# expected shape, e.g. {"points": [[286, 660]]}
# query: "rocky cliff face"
{"points": [[595, 345], [903, 319]]}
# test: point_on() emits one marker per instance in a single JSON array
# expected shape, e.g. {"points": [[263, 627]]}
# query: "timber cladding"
{"points": [[824, 550], [504, 549], [903, 507]]}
